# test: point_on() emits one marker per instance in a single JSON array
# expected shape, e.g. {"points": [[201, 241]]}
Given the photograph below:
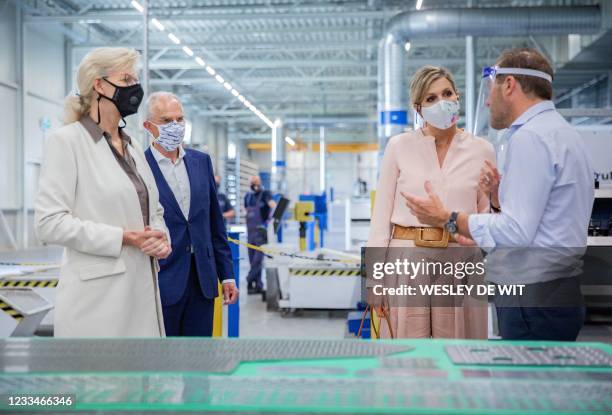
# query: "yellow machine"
{"points": [[302, 212]]}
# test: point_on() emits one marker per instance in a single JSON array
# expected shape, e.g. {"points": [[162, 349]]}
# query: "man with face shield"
{"points": [[545, 195], [201, 256]]}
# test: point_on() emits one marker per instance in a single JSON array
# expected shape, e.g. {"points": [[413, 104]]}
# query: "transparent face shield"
{"points": [[481, 125]]}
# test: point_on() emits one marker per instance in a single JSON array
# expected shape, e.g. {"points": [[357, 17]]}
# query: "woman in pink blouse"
{"points": [[451, 160]]}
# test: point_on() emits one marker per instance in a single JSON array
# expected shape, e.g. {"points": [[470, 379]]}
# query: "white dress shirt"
{"points": [[176, 176], [546, 192], [178, 180]]}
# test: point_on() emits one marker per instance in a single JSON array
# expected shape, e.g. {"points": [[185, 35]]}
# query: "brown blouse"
{"points": [[126, 162]]}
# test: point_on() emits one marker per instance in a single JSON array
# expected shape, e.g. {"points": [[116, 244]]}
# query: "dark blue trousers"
{"points": [[540, 323], [256, 259], [193, 314]]}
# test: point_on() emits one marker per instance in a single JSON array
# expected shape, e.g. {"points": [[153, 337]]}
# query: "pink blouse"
{"points": [[410, 159]]}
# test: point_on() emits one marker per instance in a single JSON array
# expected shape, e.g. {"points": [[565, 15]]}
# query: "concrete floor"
{"points": [[256, 321]]}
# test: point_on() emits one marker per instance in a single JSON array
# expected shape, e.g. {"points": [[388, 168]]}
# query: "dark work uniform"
{"points": [[224, 204], [258, 212]]}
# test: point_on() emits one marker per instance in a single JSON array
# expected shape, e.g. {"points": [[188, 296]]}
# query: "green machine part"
{"points": [[312, 376]]}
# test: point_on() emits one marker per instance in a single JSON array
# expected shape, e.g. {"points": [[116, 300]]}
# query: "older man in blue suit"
{"points": [[200, 251]]}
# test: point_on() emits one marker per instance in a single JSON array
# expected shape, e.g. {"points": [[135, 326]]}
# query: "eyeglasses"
{"points": [[124, 80]]}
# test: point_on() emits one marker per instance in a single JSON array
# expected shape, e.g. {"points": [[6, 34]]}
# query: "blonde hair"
{"points": [[98, 63], [422, 80]]}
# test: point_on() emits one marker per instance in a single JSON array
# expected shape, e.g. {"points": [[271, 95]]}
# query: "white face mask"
{"points": [[170, 135], [442, 115]]}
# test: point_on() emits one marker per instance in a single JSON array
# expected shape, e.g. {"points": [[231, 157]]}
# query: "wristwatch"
{"points": [[451, 225]]}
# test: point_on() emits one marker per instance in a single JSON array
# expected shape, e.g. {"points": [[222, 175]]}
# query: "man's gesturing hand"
{"points": [[430, 210]]}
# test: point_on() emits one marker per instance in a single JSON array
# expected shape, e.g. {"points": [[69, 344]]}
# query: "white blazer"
{"points": [[84, 203]]}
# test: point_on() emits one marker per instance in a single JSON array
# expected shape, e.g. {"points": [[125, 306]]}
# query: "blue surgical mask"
{"points": [[170, 135]]}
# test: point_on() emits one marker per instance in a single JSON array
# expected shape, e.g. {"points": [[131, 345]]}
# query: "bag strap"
{"points": [[371, 310], [376, 332]]}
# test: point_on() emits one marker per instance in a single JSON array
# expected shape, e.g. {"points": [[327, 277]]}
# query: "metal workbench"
{"points": [[312, 376]]}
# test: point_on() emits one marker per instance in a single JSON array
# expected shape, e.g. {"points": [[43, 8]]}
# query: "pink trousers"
{"points": [[468, 321]]}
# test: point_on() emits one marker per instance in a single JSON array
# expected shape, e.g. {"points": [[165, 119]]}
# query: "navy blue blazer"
{"points": [[203, 231]]}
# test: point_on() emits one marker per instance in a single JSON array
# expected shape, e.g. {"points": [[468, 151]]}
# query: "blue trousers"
{"points": [[256, 259], [193, 314], [540, 323]]}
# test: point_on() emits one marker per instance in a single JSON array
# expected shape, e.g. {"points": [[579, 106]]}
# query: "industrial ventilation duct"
{"points": [[453, 23]]}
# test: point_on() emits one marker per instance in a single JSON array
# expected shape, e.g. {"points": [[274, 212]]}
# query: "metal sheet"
{"points": [[310, 394], [529, 355], [172, 355]]}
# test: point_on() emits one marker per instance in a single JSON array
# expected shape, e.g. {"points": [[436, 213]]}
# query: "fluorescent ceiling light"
{"points": [[158, 24], [187, 50], [289, 141], [137, 6], [419, 4], [173, 38], [407, 46]]}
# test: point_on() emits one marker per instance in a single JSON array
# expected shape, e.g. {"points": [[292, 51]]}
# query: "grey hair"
{"points": [[156, 96]]}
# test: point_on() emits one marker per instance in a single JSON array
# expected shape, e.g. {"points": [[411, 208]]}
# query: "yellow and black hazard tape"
{"points": [[270, 252], [10, 311], [29, 283], [309, 272]]}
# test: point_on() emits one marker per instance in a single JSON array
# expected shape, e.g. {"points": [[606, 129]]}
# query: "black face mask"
{"points": [[127, 99], [255, 188]]}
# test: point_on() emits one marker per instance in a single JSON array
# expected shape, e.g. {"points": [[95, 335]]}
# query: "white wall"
{"points": [[44, 57]]}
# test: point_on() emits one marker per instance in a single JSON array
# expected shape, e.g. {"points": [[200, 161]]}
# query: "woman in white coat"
{"points": [[98, 199]]}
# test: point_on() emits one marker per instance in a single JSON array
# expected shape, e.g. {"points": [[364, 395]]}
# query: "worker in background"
{"points": [[224, 203], [201, 255], [97, 198], [545, 196], [259, 205]]}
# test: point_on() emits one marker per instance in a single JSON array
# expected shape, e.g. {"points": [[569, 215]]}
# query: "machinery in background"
{"points": [[357, 214], [324, 281], [309, 277], [597, 277], [21, 311], [28, 281], [290, 376], [316, 229], [279, 214], [237, 174], [303, 214]]}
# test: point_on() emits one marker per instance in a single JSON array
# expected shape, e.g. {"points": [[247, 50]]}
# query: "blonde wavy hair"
{"points": [[422, 80], [98, 63]]}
